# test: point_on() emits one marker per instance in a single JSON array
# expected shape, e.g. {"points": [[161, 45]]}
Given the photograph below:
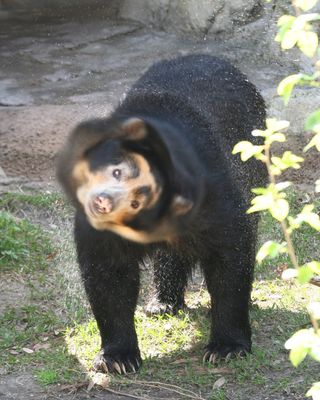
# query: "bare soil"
{"points": [[31, 137]]}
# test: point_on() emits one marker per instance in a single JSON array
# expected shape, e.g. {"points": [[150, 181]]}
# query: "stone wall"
{"points": [[67, 9], [206, 16], [194, 16], [198, 16]]}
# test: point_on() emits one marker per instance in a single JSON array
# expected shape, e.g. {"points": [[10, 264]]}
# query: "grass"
{"points": [[32, 334], [17, 201], [62, 350], [24, 247]]}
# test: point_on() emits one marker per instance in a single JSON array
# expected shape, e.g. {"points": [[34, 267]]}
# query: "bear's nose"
{"points": [[102, 203]]}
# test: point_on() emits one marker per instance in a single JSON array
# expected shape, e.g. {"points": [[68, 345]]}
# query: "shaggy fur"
{"points": [[183, 116]]}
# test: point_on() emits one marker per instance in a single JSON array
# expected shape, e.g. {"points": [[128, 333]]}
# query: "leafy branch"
{"points": [[294, 30]]}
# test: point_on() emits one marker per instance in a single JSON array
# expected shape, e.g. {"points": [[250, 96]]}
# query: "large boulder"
{"points": [[206, 16]]}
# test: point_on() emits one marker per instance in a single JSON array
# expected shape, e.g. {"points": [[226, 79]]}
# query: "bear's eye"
{"points": [[116, 173], [135, 204]]}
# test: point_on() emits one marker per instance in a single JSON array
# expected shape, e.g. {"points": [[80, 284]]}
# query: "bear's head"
{"points": [[122, 173]]}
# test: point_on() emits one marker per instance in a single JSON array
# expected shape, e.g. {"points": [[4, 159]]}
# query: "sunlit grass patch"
{"points": [[165, 334], [158, 336], [83, 341]]}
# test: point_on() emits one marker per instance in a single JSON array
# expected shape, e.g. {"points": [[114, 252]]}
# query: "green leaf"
{"points": [[313, 122], [258, 132], [297, 355], [279, 209], [315, 351], [305, 5], [247, 150], [276, 137], [309, 217], [314, 392], [289, 39], [260, 190], [262, 202], [299, 338], [286, 86], [283, 185], [314, 266], [269, 249], [304, 274], [286, 20], [309, 78], [274, 125], [300, 343], [285, 23], [288, 160], [315, 141], [308, 43], [300, 22]]}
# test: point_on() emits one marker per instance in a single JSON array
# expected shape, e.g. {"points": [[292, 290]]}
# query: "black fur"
{"points": [[196, 109]]}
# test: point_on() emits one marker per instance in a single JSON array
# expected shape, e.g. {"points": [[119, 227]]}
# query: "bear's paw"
{"points": [[215, 351], [121, 363]]}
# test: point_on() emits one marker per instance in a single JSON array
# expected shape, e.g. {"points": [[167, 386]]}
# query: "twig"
{"points": [[127, 395], [170, 387], [315, 282]]}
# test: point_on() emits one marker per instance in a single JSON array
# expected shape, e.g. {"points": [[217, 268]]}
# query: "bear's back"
{"points": [[216, 103]]}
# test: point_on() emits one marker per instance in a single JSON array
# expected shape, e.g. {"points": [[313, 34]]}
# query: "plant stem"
{"points": [[291, 251], [283, 224]]}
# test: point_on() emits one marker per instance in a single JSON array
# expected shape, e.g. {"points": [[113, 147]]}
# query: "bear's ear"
{"points": [[180, 205], [146, 138], [134, 129]]}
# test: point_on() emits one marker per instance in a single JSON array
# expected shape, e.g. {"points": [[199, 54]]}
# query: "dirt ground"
{"points": [[55, 74]]}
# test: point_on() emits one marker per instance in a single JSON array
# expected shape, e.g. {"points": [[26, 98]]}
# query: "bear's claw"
{"points": [[119, 365], [216, 353]]}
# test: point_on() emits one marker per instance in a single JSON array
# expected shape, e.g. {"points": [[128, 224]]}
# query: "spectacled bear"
{"points": [[156, 179]]}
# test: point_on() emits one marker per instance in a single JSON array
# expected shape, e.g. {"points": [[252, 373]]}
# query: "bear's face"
{"points": [[121, 179], [115, 193]]}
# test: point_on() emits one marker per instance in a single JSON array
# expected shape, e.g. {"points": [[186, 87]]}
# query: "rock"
{"points": [[2, 174], [191, 15], [33, 9], [302, 103]]}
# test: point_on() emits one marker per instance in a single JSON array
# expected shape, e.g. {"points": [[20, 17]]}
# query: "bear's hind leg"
{"points": [[170, 282], [229, 279]]}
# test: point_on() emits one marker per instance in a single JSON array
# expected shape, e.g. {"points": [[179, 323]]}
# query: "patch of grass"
{"points": [[48, 376], [165, 334], [16, 201], [172, 347], [56, 365], [24, 247], [31, 333], [83, 341], [23, 327], [31, 338]]}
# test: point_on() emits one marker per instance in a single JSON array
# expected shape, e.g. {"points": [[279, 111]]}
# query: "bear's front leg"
{"points": [[110, 272]]}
